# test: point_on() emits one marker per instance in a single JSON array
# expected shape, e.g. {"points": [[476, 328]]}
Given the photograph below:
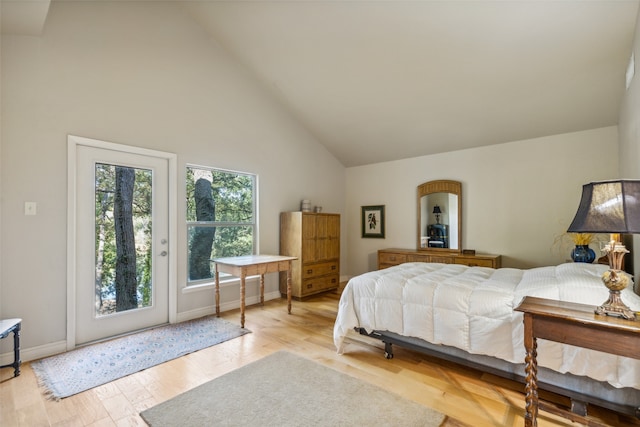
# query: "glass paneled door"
{"points": [[122, 251]]}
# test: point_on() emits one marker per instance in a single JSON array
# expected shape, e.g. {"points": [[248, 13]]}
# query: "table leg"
{"points": [[16, 350], [217, 291], [531, 374], [262, 289], [243, 275], [289, 289]]}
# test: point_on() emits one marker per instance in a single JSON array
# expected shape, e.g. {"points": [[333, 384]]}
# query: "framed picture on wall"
{"points": [[373, 221]]}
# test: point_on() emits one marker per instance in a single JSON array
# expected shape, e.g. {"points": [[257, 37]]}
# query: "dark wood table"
{"points": [[252, 265], [574, 324]]}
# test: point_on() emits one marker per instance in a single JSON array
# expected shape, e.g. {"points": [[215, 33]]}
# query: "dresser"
{"points": [[314, 238], [391, 257]]}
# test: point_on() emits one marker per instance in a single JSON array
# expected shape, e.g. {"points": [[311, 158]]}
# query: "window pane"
{"points": [[123, 238]]}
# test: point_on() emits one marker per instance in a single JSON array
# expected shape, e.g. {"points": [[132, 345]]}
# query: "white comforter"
{"points": [[471, 308]]}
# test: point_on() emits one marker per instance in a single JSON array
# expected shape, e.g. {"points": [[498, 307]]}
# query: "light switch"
{"points": [[30, 208]]}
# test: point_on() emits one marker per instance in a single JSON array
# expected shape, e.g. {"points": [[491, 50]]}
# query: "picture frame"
{"points": [[373, 222]]}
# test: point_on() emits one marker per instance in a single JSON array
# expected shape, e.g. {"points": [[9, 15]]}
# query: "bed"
{"points": [[465, 314]]}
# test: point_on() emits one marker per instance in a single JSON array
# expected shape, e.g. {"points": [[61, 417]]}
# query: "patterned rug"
{"points": [[78, 370]]}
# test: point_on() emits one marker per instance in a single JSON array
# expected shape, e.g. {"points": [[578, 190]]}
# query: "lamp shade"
{"points": [[608, 207], [436, 209]]}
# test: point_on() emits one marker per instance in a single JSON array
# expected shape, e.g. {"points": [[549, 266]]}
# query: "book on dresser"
{"points": [[391, 257], [314, 238]]}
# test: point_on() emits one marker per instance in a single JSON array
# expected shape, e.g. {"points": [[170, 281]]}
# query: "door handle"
{"points": [[163, 253]]}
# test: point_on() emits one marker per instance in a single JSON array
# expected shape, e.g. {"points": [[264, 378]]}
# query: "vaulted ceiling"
{"points": [[383, 80]]}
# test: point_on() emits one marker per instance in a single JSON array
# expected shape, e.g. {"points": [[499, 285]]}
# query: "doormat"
{"points": [[81, 369], [285, 390]]}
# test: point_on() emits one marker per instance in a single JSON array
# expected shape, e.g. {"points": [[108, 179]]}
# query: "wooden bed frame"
{"points": [[581, 391]]}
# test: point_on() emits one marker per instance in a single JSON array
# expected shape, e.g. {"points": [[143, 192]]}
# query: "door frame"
{"points": [[72, 144]]}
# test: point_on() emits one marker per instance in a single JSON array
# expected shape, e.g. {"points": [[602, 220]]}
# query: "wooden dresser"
{"points": [[314, 238], [391, 257]]}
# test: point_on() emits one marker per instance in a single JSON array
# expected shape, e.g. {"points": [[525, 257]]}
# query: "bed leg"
{"points": [[388, 351], [579, 407]]}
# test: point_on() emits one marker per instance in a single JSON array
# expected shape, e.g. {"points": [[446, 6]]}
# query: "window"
{"points": [[221, 220]]}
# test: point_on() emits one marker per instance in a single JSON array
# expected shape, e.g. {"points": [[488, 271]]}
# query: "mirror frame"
{"points": [[440, 186]]}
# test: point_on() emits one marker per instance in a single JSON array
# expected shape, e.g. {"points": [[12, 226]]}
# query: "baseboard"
{"points": [[33, 353], [231, 305]]}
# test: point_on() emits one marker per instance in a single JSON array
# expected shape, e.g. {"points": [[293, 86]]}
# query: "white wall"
{"points": [[628, 125], [517, 197], [141, 74]]}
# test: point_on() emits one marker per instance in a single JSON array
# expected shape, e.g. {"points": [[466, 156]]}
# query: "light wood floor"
{"points": [[465, 395]]}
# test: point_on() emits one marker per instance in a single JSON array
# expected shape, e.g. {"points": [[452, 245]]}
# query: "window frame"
{"points": [[192, 284]]}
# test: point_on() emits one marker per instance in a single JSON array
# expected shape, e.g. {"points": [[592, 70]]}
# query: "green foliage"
{"points": [[233, 194]]}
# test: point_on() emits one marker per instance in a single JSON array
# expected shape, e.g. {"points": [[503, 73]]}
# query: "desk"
{"points": [[573, 324], [251, 265], [6, 327]]}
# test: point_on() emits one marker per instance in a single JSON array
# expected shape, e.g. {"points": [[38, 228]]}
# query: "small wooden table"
{"points": [[251, 265], [573, 324]]}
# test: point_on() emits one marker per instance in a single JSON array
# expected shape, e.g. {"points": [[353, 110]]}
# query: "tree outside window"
{"points": [[220, 218], [122, 238]]}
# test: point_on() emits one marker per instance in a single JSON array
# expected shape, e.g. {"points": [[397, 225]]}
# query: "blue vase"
{"points": [[583, 253]]}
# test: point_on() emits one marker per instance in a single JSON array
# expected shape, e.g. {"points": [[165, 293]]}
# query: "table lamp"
{"points": [[437, 212], [611, 207]]}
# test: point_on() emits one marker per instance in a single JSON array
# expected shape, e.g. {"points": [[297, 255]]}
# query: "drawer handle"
{"points": [[333, 280], [310, 285], [310, 271], [392, 258], [333, 267]]}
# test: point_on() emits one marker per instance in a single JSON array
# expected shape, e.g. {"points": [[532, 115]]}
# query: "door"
{"points": [[121, 240]]}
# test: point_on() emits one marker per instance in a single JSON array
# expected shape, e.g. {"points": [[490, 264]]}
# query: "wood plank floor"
{"points": [[467, 396]]}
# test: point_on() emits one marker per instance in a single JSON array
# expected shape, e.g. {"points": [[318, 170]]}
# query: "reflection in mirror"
{"points": [[439, 229], [439, 216]]}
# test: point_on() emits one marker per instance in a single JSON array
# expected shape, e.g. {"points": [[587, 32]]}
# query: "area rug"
{"points": [[287, 390], [78, 370]]}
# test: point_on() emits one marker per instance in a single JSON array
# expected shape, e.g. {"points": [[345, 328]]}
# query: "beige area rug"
{"points": [[287, 390]]}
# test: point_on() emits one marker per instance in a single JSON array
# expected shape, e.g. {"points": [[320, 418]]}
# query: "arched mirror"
{"points": [[440, 216]]}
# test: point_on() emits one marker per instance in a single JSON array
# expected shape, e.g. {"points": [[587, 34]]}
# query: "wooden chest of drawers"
{"points": [[315, 239], [391, 257]]}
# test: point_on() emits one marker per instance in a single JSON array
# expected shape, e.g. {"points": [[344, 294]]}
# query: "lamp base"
{"points": [[615, 281], [615, 307]]}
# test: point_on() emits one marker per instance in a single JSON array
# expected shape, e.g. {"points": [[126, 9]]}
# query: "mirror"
{"points": [[440, 216]]}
